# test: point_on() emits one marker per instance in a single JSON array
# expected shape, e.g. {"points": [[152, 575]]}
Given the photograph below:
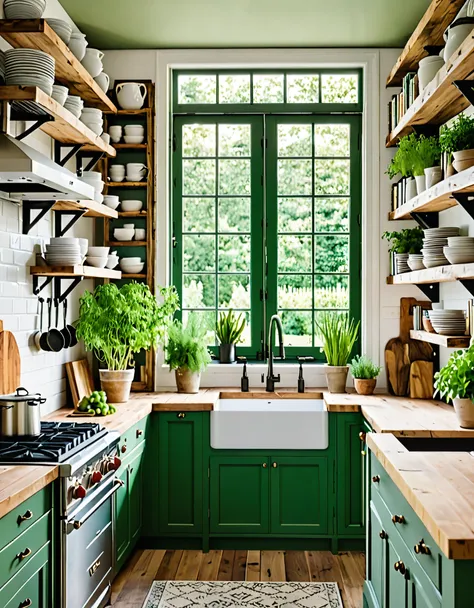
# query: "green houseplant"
{"points": [[455, 381], [229, 330], [408, 240], [338, 334], [427, 169], [402, 164], [365, 374], [187, 353], [115, 323], [457, 141]]}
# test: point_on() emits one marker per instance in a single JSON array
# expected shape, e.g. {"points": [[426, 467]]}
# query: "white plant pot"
{"points": [[420, 183], [464, 409], [410, 186], [433, 176]]}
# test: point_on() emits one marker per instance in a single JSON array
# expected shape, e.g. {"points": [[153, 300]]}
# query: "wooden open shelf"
{"points": [[65, 127], [132, 213], [37, 34], [143, 184], [446, 341], [440, 100], [438, 197], [429, 32], [127, 243], [133, 276], [75, 271], [94, 209], [439, 274], [130, 146], [132, 112]]}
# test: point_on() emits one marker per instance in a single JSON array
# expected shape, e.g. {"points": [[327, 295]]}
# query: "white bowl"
{"points": [[123, 234], [92, 175], [106, 138], [96, 262], [129, 261], [112, 261], [129, 226], [112, 201], [98, 252], [60, 94], [134, 139], [131, 205], [134, 130], [131, 268]]}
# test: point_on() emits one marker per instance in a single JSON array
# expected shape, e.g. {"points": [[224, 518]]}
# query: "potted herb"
{"points": [[455, 381], [365, 373], [339, 334], [115, 323], [427, 168], [457, 141], [402, 164], [402, 244], [187, 353], [229, 330]]}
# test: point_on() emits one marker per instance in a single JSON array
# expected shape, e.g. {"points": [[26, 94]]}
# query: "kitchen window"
{"points": [[266, 200]]}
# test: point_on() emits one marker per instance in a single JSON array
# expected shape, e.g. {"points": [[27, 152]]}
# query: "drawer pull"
{"points": [[94, 567], [181, 415], [274, 465], [24, 554], [26, 603], [383, 535], [400, 567], [139, 433], [362, 436], [398, 519], [123, 449], [422, 548], [264, 465], [376, 478], [28, 515]]}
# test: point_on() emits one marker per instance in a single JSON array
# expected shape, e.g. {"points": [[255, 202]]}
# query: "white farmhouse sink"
{"points": [[269, 424]]}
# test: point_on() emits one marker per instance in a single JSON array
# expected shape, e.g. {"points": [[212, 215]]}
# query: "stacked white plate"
{"points": [[74, 104], [62, 28], [460, 250], [29, 68], [415, 261], [448, 322], [93, 118], [63, 251], [433, 245], [60, 93], [24, 9], [2, 67]]}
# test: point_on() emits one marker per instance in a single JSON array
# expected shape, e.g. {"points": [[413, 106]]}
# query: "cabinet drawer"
{"points": [[33, 582], [24, 516], [22, 549], [133, 437]]}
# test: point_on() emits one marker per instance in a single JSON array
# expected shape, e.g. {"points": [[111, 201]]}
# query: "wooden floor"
{"points": [[131, 586]]}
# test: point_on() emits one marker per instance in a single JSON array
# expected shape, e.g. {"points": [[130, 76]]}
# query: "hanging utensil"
{"points": [[71, 328], [43, 340], [64, 331], [37, 335], [55, 337]]}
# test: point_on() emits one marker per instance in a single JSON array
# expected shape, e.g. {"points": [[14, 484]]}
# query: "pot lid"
{"points": [[20, 395]]}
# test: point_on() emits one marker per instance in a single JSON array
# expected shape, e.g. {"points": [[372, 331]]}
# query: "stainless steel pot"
{"points": [[20, 413]]}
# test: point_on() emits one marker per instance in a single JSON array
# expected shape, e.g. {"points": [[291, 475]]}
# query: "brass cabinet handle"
{"points": [[400, 567], [264, 465], [131, 470], [94, 567], [26, 603], [423, 548], [362, 436], [383, 535], [123, 449], [24, 554], [398, 519], [181, 415], [376, 478], [28, 515], [274, 465], [139, 433]]}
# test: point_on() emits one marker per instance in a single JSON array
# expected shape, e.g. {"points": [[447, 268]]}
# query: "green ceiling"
{"points": [[126, 24]]}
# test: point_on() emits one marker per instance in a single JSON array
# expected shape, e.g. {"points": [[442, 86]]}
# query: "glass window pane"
{"points": [[234, 253], [340, 88], [294, 215], [196, 89], [234, 214], [331, 176], [234, 140], [331, 253], [294, 177], [302, 88], [234, 177], [268, 88], [295, 291], [331, 215], [207, 319], [294, 253], [199, 177], [199, 291], [199, 254], [199, 140], [332, 140], [199, 215], [331, 291], [234, 291], [297, 327], [234, 88], [294, 140]]}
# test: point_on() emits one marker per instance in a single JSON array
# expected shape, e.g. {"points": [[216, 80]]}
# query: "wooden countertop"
{"points": [[439, 486], [19, 482]]}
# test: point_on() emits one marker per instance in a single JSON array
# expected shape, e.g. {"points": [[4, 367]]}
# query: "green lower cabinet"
{"points": [[122, 517], [396, 580], [376, 558], [32, 585], [135, 484]]}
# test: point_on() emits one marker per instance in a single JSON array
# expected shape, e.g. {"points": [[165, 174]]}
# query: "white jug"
{"points": [[93, 62], [103, 80], [131, 95], [78, 45]]}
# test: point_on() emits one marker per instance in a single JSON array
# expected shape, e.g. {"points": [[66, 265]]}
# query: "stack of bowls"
{"points": [[29, 68], [60, 93], [112, 260], [94, 179], [112, 201], [448, 322], [24, 9], [117, 173], [78, 44], [134, 134], [97, 256], [62, 28], [415, 261], [124, 234], [84, 245], [2, 67], [93, 118], [63, 251], [136, 172], [434, 243], [131, 265], [74, 104], [460, 250]]}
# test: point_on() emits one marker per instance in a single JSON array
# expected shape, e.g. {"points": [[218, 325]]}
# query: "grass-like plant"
{"points": [[459, 136], [115, 323], [456, 378], [408, 240], [229, 327], [339, 334], [363, 368], [186, 346]]}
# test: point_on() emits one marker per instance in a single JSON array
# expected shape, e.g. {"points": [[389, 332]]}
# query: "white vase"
{"points": [[420, 181], [433, 176], [410, 188]]}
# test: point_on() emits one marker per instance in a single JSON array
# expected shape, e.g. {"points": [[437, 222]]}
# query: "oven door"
{"points": [[88, 550]]}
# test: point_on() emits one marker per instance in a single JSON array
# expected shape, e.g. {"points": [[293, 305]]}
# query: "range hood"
{"points": [[27, 174]]}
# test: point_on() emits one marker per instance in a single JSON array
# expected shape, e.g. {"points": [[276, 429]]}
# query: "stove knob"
{"points": [[96, 477], [79, 492], [117, 462]]}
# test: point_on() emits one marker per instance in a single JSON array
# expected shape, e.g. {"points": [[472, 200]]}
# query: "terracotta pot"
{"points": [[365, 386], [227, 353], [336, 377], [464, 159], [116, 384], [187, 381], [464, 409]]}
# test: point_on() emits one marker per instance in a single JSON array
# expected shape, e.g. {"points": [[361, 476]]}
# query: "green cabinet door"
{"points": [[180, 473], [135, 487], [32, 585], [376, 558], [239, 495], [350, 476], [299, 495], [122, 517], [397, 581]]}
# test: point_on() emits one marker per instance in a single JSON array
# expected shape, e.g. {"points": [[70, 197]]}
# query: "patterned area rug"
{"points": [[223, 594]]}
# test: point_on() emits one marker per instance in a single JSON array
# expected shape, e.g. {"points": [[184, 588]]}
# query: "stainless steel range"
{"points": [[87, 457]]}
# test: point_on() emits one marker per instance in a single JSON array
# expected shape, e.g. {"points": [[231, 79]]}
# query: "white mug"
{"points": [[115, 133], [140, 234]]}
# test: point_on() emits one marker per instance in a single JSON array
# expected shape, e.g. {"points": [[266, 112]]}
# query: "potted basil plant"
{"points": [[402, 244], [402, 164], [457, 140], [116, 323], [455, 381], [427, 167], [229, 330], [365, 374]]}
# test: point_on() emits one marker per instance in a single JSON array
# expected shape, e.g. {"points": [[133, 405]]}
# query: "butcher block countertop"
{"points": [[18, 483], [439, 486]]}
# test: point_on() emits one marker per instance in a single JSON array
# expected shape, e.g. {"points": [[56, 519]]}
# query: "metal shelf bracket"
{"points": [[37, 287], [59, 229], [466, 87], [58, 149], [94, 158], [426, 130], [466, 201], [62, 295], [431, 290], [426, 220], [468, 284], [28, 206]]}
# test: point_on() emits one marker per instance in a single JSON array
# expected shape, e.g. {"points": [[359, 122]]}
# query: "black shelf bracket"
{"points": [[28, 206], [468, 284], [58, 152], [426, 130], [59, 229], [39, 122], [466, 201], [94, 158], [466, 87], [431, 290], [58, 284], [37, 286], [433, 49], [425, 220]]}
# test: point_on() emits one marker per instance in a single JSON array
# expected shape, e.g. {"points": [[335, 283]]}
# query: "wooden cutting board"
{"points": [[421, 380], [10, 363], [80, 380]]}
